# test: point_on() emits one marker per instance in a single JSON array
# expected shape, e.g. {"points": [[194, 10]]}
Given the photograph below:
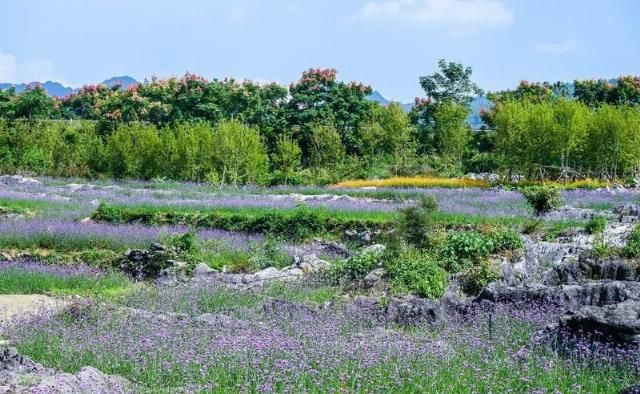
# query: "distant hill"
{"points": [[56, 89], [53, 88], [125, 81], [477, 105]]}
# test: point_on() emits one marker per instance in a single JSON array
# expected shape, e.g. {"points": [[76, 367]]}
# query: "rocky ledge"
{"points": [[21, 375]]}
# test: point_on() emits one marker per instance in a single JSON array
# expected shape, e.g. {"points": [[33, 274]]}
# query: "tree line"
{"points": [[319, 130]]}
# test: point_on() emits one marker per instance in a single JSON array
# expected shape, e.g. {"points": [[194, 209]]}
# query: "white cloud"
{"points": [[557, 48], [464, 14], [11, 70]]}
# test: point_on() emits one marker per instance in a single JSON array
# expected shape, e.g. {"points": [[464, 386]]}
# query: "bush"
{"points": [[464, 248], [506, 240], [478, 276], [542, 199], [354, 268], [417, 273], [416, 221], [268, 253], [596, 225], [632, 249]]}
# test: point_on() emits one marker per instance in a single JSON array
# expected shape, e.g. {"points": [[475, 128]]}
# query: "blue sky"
{"points": [[385, 43]]}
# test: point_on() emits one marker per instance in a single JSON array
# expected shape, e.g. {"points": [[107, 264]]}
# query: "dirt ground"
{"points": [[18, 305]]}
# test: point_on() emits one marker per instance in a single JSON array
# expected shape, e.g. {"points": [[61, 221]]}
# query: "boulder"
{"points": [[158, 263], [407, 310], [618, 322], [203, 269], [635, 389], [589, 293], [311, 264], [377, 249], [20, 374], [414, 310], [373, 277], [14, 180], [623, 210]]}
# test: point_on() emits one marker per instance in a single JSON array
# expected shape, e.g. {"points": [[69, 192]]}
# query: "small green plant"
{"points": [[417, 273], [533, 226], [542, 199], [632, 248], [601, 248], [596, 225], [354, 268], [416, 221], [506, 240], [464, 248], [268, 253], [479, 275]]}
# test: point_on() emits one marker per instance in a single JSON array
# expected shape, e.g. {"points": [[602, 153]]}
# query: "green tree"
{"points": [[286, 157], [239, 153], [451, 131], [326, 149]]}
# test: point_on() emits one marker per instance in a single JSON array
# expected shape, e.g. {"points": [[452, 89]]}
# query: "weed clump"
{"points": [[542, 199]]}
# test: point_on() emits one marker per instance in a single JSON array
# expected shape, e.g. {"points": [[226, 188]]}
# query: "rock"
{"points": [[619, 322], [408, 310], [627, 210], [635, 389], [14, 180], [591, 293], [277, 307], [86, 220], [377, 249], [203, 269], [269, 275], [158, 263], [373, 277], [590, 267], [20, 374], [311, 264], [571, 213], [414, 310]]}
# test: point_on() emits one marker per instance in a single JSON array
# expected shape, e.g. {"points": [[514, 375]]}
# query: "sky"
{"points": [[387, 44]]}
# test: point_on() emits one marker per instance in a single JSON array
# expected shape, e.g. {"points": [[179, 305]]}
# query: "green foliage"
{"points": [[478, 276], [416, 272], [462, 249], [632, 248], [299, 224], [596, 225], [416, 221], [325, 147], [354, 268], [286, 159], [542, 199], [268, 253], [18, 281]]}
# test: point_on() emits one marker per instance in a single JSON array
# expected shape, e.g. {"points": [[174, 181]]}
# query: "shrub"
{"points": [[506, 240], [479, 275], [268, 253], [416, 221], [632, 248], [417, 273], [462, 249], [354, 268], [596, 225], [542, 198]]}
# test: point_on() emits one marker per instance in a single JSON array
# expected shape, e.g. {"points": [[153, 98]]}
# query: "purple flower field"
{"points": [[250, 349], [469, 201]]}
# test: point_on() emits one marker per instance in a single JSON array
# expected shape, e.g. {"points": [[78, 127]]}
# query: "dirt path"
{"points": [[19, 305]]}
